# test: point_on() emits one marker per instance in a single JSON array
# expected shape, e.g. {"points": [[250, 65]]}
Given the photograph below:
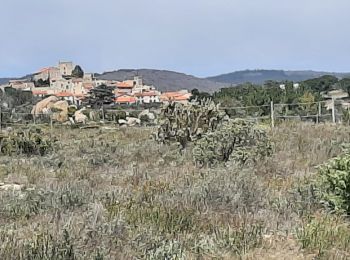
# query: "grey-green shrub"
{"points": [[236, 139], [186, 123], [333, 184]]}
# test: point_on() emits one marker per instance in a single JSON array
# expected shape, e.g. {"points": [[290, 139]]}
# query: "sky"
{"points": [[197, 37]]}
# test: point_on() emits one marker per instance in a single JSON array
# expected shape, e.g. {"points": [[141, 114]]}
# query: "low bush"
{"points": [[333, 184], [30, 141], [186, 123], [237, 139]]}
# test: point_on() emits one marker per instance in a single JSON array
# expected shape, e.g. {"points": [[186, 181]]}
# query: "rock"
{"points": [[79, 117], [122, 122], [52, 104], [44, 105], [9, 187], [60, 109], [146, 115], [132, 121]]}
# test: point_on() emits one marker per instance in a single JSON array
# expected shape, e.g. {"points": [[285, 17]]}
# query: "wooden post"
{"points": [[333, 111], [0, 119], [319, 112], [272, 115], [51, 123], [103, 114]]}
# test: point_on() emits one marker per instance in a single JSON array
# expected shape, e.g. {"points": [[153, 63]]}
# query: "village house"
{"points": [[140, 87], [182, 96], [72, 98], [39, 93], [338, 95], [126, 99], [123, 88], [148, 97], [51, 73], [21, 84]]}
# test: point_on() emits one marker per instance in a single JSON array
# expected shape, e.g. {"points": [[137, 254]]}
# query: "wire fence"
{"points": [[318, 112]]}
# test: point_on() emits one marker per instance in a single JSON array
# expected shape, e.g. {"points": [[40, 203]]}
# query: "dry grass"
{"points": [[116, 194]]}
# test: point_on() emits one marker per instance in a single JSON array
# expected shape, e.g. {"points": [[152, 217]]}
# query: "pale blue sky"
{"points": [[199, 37]]}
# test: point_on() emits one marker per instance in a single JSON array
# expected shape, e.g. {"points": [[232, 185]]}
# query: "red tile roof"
{"points": [[125, 99], [39, 92], [146, 94], [124, 85], [177, 96], [64, 94]]}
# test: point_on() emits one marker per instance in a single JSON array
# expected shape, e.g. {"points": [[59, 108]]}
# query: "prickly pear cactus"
{"points": [[186, 123], [236, 139]]}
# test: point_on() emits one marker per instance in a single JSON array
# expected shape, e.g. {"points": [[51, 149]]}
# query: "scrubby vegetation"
{"points": [[333, 184], [238, 139], [30, 141], [116, 194]]}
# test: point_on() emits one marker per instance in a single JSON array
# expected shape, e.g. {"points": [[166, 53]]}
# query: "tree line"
{"points": [[254, 95]]}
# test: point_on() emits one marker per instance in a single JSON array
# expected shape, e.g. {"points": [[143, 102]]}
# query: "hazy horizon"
{"points": [[199, 37]]}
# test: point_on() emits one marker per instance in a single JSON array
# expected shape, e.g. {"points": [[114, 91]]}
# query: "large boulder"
{"points": [[10, 187], [44, 105], [146, 116], [79, 117], [122, 122], [60, 111], [132, 121], [52, 104]]}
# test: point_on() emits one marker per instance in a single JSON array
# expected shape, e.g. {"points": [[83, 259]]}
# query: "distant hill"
{"points": [[260, 76], [164, 80], [4, 80]]}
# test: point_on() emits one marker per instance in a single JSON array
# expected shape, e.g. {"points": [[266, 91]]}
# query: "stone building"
{"points": [[21, 84], [51, 73], [148, 97], [66, 68]]}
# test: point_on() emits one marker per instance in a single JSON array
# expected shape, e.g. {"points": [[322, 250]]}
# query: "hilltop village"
{"points": [[68, 81]]}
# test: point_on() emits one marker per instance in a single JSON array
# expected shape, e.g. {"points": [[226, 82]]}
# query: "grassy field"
{"points": [[116, 194]]}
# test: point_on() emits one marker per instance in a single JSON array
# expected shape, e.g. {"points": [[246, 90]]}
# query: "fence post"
{"points": [[0, 118], [319, 113], [333, 111], [272, 115], [51, 124], [103, 114]]}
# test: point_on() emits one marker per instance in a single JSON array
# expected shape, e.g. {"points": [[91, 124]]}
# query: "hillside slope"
{"points": [[260, 76], [164, 80]]}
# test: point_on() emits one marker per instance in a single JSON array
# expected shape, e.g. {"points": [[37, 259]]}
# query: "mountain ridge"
{"points": [[259, 76], [164, 80]]}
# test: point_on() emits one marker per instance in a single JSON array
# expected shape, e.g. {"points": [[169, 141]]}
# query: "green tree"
{"points": [[324, 83], [78, 72], [344, 84], [196, 94], [100, 96]]}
